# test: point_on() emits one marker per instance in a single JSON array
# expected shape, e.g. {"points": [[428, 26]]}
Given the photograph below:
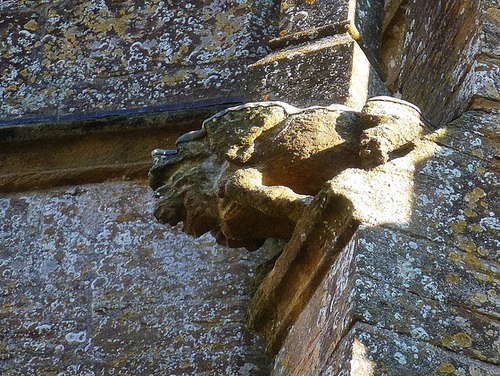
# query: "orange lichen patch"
{"points": [[31, 25], [285, 361], [12, 87], [459, 226], [476, 227], [470, 213], [494, 13], [474, 196], [50, 91], [480, 297], [468, 245], [459, 339], [462, 340], [446, 368], [177, 77]]}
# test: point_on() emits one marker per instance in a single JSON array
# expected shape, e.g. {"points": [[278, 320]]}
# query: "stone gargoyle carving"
{"points": [[251, 170]]}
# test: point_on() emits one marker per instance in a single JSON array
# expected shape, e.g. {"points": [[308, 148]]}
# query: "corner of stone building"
{"points": [[388, 225], [414, 293]]}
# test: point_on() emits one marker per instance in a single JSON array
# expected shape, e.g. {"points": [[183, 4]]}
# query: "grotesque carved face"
{"points": [[250, 171]]}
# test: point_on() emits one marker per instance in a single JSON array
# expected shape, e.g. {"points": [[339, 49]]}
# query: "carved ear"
{"points": [[389, 124]]}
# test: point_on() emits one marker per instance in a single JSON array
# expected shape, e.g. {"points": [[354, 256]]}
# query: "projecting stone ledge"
{"points": [[322, 237], [300, 75], [272, 170], [302, 21], [415, 272], [251, 170]]}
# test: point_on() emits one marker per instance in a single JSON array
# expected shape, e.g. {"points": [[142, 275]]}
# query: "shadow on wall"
{"points": [[221, 175], [419, 293]]}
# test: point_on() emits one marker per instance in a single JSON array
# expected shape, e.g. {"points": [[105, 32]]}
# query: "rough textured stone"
{"points": [[306, 20], [381, 138], [71, 56], [250, 171], [320, 239], [431, 65], [270, 158], [90, 285], [426, 267], [487, 92], [463, 207], [323, 321], [404, 284], [331, 70], [376, 197], [312, 346], [367, 350], [424, 274], [244, 176], [43, 155], [453, 327]]}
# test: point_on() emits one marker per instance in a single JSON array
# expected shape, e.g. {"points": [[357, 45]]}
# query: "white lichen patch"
{"points": [[89, 274], [69, 47]]}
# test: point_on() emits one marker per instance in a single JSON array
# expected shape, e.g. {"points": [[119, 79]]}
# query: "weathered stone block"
{"points": [[89, 284], [429, 269], [487, 76], [427, 286], [490, 17], [457, 70], [219, 81], [321, 239], [302, 20], [453, 327], [42, 155], [485, 71], [464, 207], [249, 172], [323, 322], [404, 284], [20, 47], [367, 350], [331, 70], [87, 56]]}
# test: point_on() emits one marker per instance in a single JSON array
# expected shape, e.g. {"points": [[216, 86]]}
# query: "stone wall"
{"points": [[442, 56], [419, 297], [91, 285], [415, 290], [67, 59]]}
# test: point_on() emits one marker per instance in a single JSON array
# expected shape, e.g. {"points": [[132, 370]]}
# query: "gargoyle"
{"points": [[248, 174], [309, 176]]}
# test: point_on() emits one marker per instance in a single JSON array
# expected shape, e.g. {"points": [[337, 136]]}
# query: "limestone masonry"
{"points": [[324, 195]]}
